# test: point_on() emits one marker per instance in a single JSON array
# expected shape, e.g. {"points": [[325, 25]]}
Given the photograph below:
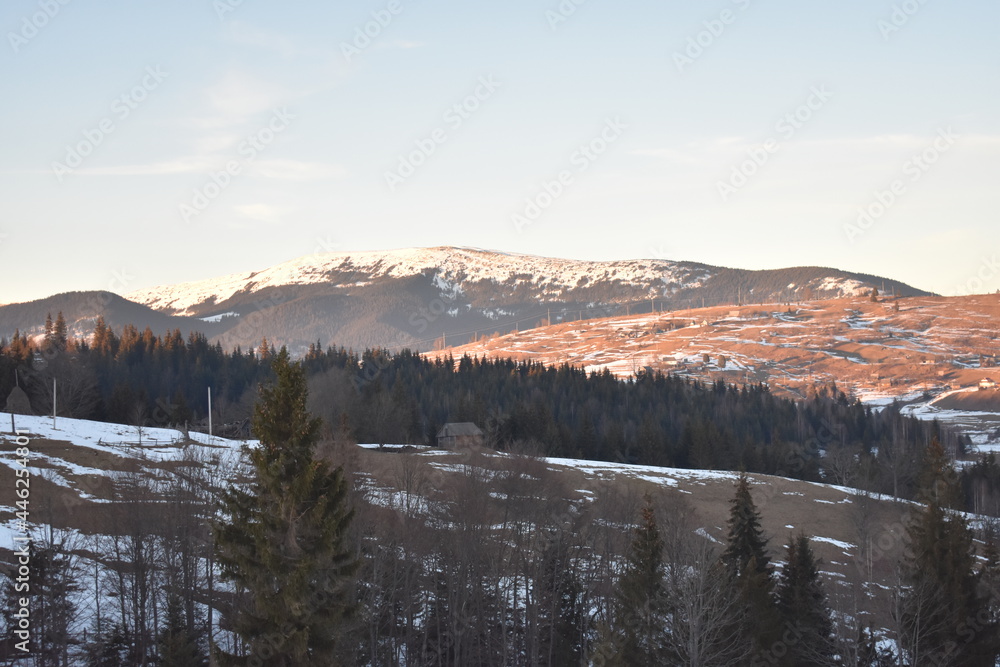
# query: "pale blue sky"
{"points": [[199, 79]]}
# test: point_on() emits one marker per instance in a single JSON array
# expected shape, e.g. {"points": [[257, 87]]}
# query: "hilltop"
{"points": [[914, 349], [416, 297]]}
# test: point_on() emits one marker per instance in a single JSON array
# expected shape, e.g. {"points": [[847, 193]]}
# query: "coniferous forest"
{"points": [[139, 378], [286, 558]]}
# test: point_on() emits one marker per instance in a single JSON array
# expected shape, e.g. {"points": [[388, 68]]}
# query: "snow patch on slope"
{"points": [[448, 267]]}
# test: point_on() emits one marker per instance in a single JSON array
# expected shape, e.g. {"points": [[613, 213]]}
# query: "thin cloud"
{"points": [[262, 212]]}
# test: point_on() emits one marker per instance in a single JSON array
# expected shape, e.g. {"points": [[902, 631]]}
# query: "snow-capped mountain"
{"points": [[450, 269], [416, 297]]}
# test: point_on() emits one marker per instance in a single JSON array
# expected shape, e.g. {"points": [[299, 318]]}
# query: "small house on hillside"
{"points": [[987, 383], [458, 435]]}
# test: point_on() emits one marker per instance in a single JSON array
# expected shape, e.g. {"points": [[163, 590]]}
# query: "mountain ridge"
{"points": [[467, 264], [412, 297]]}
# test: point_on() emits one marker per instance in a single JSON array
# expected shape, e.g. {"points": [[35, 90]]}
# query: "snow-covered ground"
{"points": [[160, 445], [125, 443], [656, 475], [102, 436]]}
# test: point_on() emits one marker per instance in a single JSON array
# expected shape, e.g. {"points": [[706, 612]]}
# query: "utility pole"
{"points": [[53, 404], [13, 429], [210, 411]]}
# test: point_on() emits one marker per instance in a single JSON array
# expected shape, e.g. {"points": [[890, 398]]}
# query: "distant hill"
{"points": [[911, 349], [971, 401], [81, 309], [417, 297]]}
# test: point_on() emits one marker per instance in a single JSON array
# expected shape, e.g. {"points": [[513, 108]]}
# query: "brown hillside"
{"points": [[891, 348]]}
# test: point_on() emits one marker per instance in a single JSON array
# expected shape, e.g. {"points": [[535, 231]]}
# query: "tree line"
{"points": [[137, 377]]}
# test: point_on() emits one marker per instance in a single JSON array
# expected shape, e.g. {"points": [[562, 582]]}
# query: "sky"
{"points": [[148, 143]]}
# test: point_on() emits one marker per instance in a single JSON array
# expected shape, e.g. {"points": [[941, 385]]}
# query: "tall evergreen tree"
{"points": [[53, 585], [945, 618], [60, 332], [283, 537], [109, 648], [639, 628], [746, 546], [49, 338], [747, 563], [803, 607], [103, 338], [177, 645]]}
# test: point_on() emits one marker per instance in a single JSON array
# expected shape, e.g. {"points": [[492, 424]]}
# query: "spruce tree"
{"points": [[60, 332], [746, 561], [945, 616], [746, 546], [49, 337], [177, 645], [100, 342], [639, 630], [109, 648], [51, 595], [803, 606], [282, 540]]}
